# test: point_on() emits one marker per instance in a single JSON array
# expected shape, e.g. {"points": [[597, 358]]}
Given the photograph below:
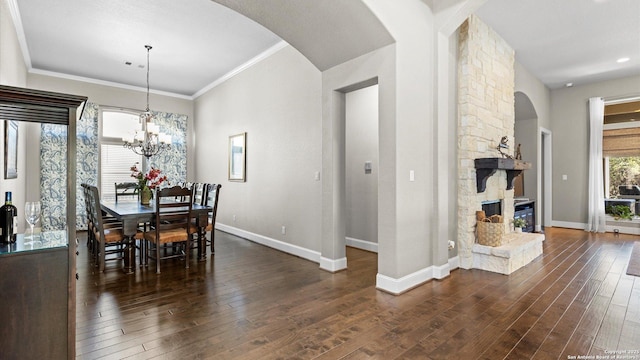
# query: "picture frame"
{"points": [[238, 157], [10, 149]]}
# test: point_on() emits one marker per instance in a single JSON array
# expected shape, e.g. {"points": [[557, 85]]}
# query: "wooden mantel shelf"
{"points": [[486, 167]]}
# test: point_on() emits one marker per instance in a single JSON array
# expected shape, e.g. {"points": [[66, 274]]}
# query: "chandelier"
{"points": [[149, 141]]}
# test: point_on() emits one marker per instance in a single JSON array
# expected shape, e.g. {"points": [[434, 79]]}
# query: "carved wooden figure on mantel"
{"points": [[504, 145]]}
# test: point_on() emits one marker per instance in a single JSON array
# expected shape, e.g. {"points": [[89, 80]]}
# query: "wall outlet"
{"points": [[284, 230], [317, 176], [234, 218]]}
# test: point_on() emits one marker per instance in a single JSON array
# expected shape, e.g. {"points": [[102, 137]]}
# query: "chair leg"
{"points": [[157, 258], [212, 241], [187, 251], [102, 256], [142, 252]]}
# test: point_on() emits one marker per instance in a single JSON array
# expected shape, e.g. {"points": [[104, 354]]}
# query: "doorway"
{"points": [[361, 168]]}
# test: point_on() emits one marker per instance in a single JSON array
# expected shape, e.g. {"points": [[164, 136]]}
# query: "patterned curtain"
{"points": [[53, 145], [173, 163], [53, 176]]}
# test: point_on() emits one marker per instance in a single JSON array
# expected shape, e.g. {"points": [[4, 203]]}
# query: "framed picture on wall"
{"points": [[10, 149], [237, 157]]}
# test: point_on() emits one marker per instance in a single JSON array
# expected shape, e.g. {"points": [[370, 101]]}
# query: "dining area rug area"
{"points": [[634, 261]]}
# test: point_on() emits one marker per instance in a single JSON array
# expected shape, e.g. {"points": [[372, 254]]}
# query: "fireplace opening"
{"points": [[492, 207]]}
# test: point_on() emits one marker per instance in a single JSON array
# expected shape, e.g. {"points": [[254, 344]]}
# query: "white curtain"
{"points": [[596, 221]]}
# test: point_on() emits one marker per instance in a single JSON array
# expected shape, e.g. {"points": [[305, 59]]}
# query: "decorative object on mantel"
{"points": [[150, 141], [147, 182], [504, 145], [518, 153], [486, 167], [489, 229]]}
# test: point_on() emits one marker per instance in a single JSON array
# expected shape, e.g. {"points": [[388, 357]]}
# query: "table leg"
{"points": [[129, 256]]}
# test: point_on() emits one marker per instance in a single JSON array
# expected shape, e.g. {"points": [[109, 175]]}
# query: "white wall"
{"points": [[569, 123], [13, 72], [361, 146], [277, 102]]}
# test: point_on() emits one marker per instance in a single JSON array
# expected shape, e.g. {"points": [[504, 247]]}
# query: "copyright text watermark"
{"points": [[609, 355]]}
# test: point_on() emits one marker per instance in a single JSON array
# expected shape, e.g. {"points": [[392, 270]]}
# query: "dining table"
{"points": [[133, 213]]}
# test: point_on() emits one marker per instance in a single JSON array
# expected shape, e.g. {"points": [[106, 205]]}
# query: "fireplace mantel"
{"points": [[486, 167]]}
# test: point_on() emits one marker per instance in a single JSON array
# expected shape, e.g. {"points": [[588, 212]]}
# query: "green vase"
{"points": [[145, 196]]}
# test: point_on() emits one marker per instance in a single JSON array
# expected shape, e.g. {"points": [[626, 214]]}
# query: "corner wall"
{"points": [[277, 102]]}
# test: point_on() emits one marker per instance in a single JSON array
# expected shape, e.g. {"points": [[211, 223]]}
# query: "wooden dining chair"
{"points": [[108, 235], [171, 225], [199, 191], [211, 199], [126, 189], [87, 209]]}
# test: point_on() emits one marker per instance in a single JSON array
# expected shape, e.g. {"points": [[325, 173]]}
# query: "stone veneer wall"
{"points": [[485, 114]]}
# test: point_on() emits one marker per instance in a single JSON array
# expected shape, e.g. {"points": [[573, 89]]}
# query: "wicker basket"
{"points": [[490, 233]]}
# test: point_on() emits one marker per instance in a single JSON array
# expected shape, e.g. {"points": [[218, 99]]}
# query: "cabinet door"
{"points": [[33, 320]]}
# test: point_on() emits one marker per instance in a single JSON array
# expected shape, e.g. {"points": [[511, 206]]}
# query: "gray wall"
{"points": [[277, 102], [569, 114], [529, 133], [362, 145], [526, 134], [13, 72]]}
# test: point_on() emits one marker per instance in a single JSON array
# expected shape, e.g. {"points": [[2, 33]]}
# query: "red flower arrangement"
{"points": [[152, 179]]}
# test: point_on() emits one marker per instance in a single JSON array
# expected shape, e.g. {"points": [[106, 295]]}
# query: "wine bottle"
{"points": [[8, 220]]}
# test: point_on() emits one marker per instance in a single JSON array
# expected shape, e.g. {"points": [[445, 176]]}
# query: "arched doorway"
{"points": [[535, 144]]}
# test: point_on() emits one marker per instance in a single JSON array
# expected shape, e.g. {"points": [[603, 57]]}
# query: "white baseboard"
{"points": [[406, 283], [333, 265], [441, 272], [454, 263], [569, 225], [275, 244], [362, 244], [632, 230]]}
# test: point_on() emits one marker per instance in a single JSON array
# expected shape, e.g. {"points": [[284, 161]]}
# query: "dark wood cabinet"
{"points": [[526, 210], [38, 285], [35, 299]]}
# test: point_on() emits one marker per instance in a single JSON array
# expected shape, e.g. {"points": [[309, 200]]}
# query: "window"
{"points": [[115, 159], [621, 146]]}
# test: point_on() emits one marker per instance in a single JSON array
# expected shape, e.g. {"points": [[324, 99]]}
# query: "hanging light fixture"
{"points": [[150, 141]]}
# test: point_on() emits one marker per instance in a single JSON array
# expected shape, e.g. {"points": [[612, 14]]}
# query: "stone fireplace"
{"points": [[485, 115], [492, 207]]}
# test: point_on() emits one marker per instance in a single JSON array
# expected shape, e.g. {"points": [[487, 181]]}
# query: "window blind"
{"points": [[621, 142]]}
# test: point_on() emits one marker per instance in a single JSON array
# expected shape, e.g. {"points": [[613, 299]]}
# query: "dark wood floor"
{"points": [[252, 302]]}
